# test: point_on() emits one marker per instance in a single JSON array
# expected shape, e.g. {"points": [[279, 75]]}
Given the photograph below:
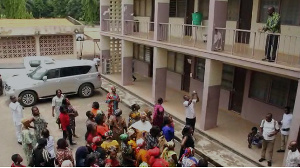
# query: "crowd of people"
{"points": [[145, 140]]}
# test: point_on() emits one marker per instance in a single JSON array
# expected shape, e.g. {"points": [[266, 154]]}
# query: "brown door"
{"points": [[187, 73], [188, 17], [237, 94], [244, 21]]}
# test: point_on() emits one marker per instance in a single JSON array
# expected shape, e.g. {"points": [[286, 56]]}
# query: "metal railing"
{"points": [[113, 25], [279, 48], [139, 29], [183, 34]]}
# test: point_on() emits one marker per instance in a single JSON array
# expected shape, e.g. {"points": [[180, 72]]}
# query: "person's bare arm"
{"points": [[53, 111], [183, 142], [174, 157], [197, 97]]}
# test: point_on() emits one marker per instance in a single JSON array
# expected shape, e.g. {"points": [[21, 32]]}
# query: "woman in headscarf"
{"points": [[72, 113], [169, 154], [132, 138], [134, 115], [112, 160], [28, 139], [117, 124], [152, 138], [149, 115], [40, 156], [142, 127], [99, 151], [140, 152], [154, 160], [127, 152], [109, 142], [80, 156], [188, 159]]}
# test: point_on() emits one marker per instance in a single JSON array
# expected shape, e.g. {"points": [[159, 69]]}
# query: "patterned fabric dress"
{"points": [[40, 124], [134, 116], [72, 117], [28, 137], [126, 151], [112, 105], [118, 124]]}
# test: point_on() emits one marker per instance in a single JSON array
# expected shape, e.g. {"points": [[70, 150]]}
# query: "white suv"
{"points": [[71, 76]]}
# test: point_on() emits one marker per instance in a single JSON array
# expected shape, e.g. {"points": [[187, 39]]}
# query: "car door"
{"points": [[49, 86], [68, 79]]}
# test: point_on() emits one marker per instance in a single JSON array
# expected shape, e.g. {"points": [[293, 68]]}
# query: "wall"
{"points": [[174, 80], [176, 26], [287, 45], [254, 110], [224, 99], [141, 68], [143, 22], [197, 86]]}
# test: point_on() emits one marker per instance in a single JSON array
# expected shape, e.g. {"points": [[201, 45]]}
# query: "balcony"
{"points": [[235, 42]]}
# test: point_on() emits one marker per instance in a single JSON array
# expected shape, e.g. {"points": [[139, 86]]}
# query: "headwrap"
{"points": [[169, 145], [130, 132], [67, 163], [109, 133], [187, 153], [153, 153], [25, 120], [147, 111], [112, 88], [117, 112], [144, 164], [123, 137]]}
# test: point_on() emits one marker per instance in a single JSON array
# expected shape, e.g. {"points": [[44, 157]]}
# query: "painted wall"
{"points": [[143, 23], [224, 99], [254, 110], [141, 68], [174, 80]]}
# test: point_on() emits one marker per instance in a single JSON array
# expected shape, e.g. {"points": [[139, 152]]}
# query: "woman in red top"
{"points": [[65, 124], [102, 128], [112, 160], [90, 134], [154, 160], [17, 160]]}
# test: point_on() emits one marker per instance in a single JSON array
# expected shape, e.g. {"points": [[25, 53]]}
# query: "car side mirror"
{"points": [[45, 78]]}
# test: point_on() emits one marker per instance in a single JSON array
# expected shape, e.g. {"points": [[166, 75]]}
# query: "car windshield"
{"points": [[38, 73]]}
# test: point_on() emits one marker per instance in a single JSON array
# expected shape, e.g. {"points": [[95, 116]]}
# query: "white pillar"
{"points": [[37, 45]]}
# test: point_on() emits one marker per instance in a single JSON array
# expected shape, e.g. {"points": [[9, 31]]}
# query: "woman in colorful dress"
{"points": [[169, 154], [109, 142], [127, 152], [187, 139], [72, 113], [39, 123], [56, 103], [134, 115], [63, 152], [102, 127], [117, 124], [188, 159], [159, 111], [28, 139], [112, 99]]}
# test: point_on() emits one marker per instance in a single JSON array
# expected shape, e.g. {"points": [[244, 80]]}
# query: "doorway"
{"points": [[244, 22], [188, 16], [237, 94], [187, 73]]}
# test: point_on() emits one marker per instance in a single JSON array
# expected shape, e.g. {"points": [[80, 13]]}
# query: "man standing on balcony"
{"points": [[273, 28]]}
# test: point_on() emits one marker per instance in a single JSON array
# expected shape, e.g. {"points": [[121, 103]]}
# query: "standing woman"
{"points": [[39, 123], [187, 139], [63, 152], [56, 103], [101, 128], [127, 152], [28, 140], [158, 116], [134, 115], [117, 124], [72, 114], [169, 154]]}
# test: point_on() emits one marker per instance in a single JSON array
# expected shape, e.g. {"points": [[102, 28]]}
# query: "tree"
{"points": [[91, 10], [42, 8], [74, 9], [15, 9], [59, 8]]}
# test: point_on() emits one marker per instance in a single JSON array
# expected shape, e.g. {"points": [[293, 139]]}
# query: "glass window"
{"points": [[289, 11], [227, 77], [177, 8], [204, 8], [147, 54], [279, 91], [263, 9], [83, 69], [38, 73], [141, 53], [200, 69], [259, 86], [53, 73], [68, 71], [173, 8], [135, 51], [179, 63], [171, 61], [292, 94], [233, 9]]}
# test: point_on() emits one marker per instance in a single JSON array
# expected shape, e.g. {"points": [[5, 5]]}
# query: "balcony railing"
{"points": [[113, 25], [139, 29], [251, 44]]}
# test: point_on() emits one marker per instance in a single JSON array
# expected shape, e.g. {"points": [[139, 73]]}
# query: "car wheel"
{"points": [[86, 90], [28, 98]]}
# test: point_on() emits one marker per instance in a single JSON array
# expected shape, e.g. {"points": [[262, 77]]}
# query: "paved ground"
{"points": [[8, 143]]}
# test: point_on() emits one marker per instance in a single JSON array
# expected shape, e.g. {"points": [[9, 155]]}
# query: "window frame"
{"points": [[136, 55], [176, 55], [195, 69], [176, 12], [57, 69]]}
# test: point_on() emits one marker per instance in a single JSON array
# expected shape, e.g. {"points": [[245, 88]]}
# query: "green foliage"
{"points": [[15, 9], [74, 9], [41, 8], [91, 11], [59, 8]]}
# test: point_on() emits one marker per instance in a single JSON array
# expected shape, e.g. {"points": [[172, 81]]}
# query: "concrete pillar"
{"points": [[295, 126], [159, 82], [104, 14], [104, 53], [211, 94], [217, 18], [37, 45], [127, 55], [161, 15], [127, 17]]}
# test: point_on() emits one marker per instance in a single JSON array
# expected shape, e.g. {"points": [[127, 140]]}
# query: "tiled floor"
{"points": [[232, 130]]}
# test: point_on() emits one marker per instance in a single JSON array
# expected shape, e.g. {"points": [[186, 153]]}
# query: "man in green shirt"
{"points": [[273, 27]]}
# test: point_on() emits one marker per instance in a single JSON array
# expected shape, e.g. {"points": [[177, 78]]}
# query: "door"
{"points": [[187, 73], [49, 86], [69, 79], [151, 62], [244, 22], [237, 94], [188, 17]]}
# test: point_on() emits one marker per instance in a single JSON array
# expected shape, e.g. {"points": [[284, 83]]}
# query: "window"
{"points": [[288, 9], [53, 73], [69, 71], [200, 69], [233, 10], [175, 62], [142, 53], [142, 7], [204, 8], [83, 69], [274, 90], [227, 77], [178, 8]]}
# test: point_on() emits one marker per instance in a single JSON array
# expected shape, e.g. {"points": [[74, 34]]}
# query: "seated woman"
{"points": [[254, 138]]}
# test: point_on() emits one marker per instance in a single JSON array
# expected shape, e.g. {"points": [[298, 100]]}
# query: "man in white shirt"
{"points": [[293, 157], [189, 109], [17, 113], [269, 128], [285, 128]]}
